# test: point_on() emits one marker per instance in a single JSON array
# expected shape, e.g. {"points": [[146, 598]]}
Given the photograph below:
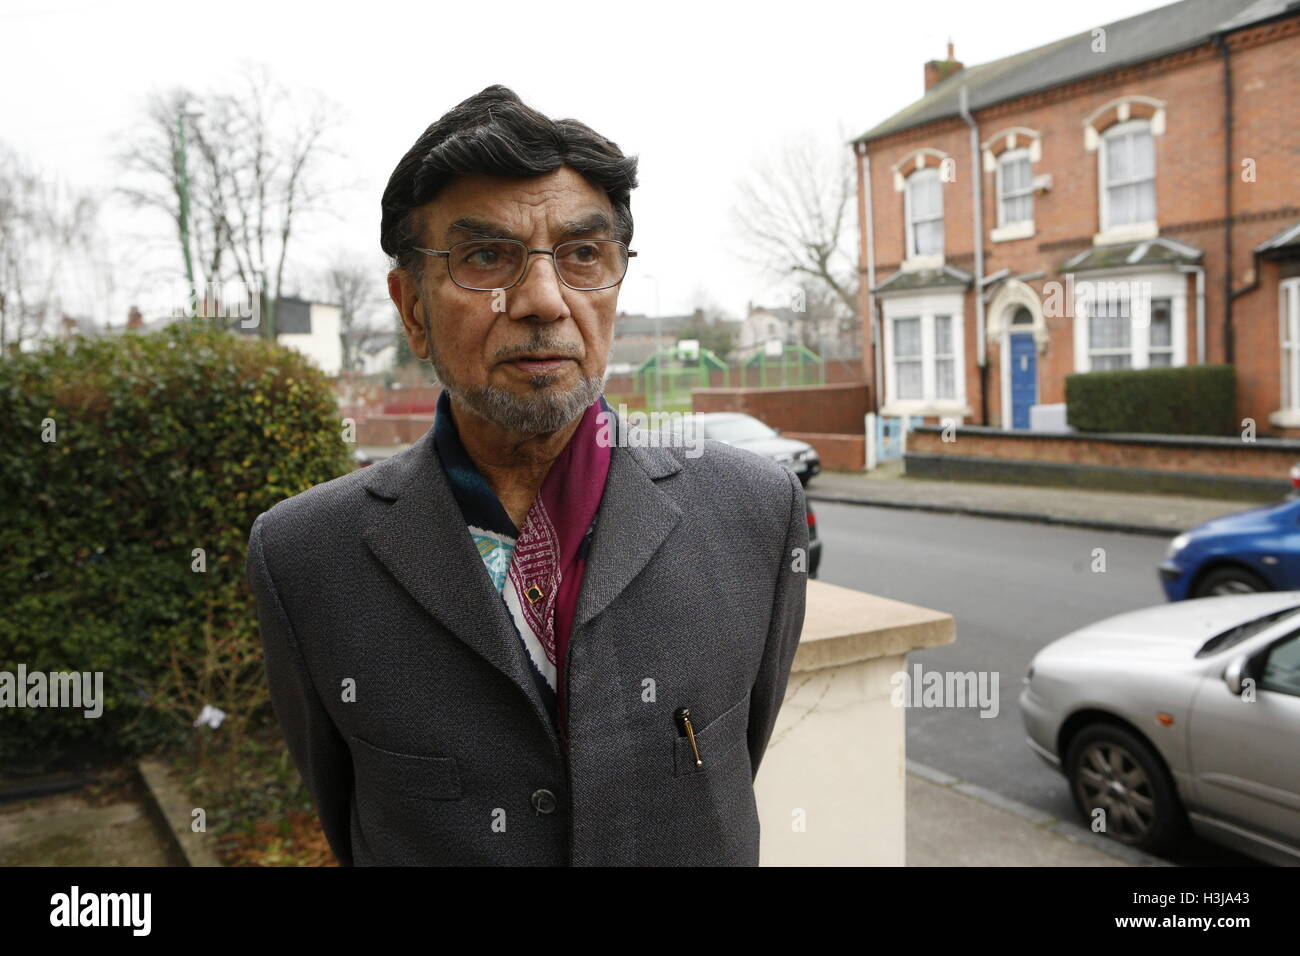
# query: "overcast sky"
{"points": [[697, 90]]}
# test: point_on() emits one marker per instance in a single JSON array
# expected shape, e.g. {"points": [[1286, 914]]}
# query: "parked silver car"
{"points": [[1179, 715]]}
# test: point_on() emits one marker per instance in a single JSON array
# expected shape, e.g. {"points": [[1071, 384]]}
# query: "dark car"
{"points": [[745, 431], [814, 544]]}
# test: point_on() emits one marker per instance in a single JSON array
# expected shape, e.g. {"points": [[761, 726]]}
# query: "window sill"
{"points": [[1137, 368], [1013, 230], [917, 263], [1130, 233], [916, 407], [1285, 418]]}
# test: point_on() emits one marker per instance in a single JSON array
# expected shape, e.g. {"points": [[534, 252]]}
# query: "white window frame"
{"points": [[1288, 296], [1161, 285], [1021, 228], [926, 307], [948, 356], [1152, 348], [1134, 230], [918, 359], [913, 259]]}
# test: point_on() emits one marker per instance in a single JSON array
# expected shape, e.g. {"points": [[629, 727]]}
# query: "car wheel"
{"points": [[1231, 580], [1113, 770]]}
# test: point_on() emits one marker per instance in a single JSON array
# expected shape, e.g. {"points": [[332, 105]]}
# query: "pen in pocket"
{"points": [[684, 716]]}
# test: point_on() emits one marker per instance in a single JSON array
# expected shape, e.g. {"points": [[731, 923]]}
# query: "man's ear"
{"points": [[404, 290]]}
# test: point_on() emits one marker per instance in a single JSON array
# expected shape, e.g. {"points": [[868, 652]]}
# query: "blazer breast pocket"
{"points": [[722, 741], [407, 775]]}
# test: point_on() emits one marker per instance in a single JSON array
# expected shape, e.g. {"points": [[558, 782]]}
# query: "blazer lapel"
{"points": [[423, 541], [635, 517]]}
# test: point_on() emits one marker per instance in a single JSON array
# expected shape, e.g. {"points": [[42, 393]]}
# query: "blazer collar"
{"points": [[423, 542]]}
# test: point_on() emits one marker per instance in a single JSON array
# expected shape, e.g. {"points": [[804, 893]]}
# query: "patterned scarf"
{"points": [[537, 570]]}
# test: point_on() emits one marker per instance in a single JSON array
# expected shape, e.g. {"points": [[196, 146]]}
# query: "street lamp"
{"points": [[186, 112], [659, 372]]}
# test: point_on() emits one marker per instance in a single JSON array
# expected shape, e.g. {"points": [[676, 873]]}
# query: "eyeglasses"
{"points": [[485, 265]]}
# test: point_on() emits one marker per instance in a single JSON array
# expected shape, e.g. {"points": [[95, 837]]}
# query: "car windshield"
{"points": [[738, 429], [1241, 632]]}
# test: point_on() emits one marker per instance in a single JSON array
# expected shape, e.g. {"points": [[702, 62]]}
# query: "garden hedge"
{"points": [[1190, 400], [163, 443]]}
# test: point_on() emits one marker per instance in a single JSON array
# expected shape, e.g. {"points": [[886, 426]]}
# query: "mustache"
{"points": [[539, 348]]}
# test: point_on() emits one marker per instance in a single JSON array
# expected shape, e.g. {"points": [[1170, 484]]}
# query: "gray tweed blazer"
{"points": [[407, 700]]}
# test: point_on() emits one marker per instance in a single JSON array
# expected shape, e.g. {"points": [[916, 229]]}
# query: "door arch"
{"points": [[1017, 324]]}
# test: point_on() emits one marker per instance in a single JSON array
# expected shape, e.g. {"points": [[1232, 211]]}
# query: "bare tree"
{"points": [[794, 219], [826, 319], [359, 293], [254, 163], [44, 229]]}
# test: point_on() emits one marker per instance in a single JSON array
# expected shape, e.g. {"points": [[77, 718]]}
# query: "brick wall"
{"points": [[1268, 459], [837, 452], [820, 409]]}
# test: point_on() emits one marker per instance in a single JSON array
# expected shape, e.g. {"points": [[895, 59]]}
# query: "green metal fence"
{"points": [[667, 377]]}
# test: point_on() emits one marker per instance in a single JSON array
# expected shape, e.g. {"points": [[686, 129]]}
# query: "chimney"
{"points": [[134, 319], [936, 71]]}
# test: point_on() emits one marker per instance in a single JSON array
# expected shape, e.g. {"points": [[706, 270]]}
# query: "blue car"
{"points": [[1253, 550]]}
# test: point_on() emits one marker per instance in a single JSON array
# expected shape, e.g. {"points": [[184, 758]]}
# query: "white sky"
{"points": [[697, 90]]}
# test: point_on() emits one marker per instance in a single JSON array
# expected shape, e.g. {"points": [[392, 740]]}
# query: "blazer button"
{"points": [[544, 801]]}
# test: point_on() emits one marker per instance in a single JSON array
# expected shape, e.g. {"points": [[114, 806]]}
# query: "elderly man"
{"points": [[529, 639]]}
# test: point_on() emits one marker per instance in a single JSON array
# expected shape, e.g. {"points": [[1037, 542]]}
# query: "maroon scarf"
{"points": [[550, 551]]}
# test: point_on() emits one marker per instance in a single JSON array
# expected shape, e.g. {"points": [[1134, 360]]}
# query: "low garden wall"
{"points": [[1174, 464]]}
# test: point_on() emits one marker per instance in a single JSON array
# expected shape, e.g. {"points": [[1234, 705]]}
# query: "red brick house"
{"points": [[1135, 191]]}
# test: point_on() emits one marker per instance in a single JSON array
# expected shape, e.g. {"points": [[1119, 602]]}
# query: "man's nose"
{"points": [[539, 292]]}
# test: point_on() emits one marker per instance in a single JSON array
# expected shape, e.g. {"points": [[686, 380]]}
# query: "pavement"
{"points": [[953, 823], [90, 823], [887, 487]]}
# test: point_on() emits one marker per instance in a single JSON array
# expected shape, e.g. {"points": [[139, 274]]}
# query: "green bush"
{"points": [[1191, 400], [163, 443]]}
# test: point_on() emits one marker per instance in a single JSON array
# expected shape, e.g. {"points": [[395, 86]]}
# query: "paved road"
{"points": [[1013, 588]]}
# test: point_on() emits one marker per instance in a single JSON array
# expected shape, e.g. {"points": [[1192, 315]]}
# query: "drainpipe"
{"points": [[1199, 272], [977, 193], [1254, 282], [866, 297], [1222, 43]]}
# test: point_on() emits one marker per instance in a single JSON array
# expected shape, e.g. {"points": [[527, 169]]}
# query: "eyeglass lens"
{"points": [[587, 264]]}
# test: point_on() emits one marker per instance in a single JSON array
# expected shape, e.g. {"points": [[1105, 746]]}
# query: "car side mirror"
{"points": [[1235, 673]]}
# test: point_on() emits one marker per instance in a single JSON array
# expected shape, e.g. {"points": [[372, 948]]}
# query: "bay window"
{"points": [[924, 355], [1289, 296], [1137, 322]]}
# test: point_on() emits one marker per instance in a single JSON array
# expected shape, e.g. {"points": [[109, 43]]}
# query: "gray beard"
{"points": [[546, 410]]}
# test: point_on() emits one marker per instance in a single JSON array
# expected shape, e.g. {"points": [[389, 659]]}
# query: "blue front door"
{"points": [[1024, 378]]}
